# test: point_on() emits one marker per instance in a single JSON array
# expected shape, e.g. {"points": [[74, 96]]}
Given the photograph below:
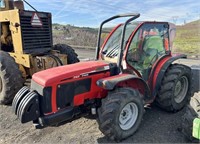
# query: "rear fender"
{"points": [[159, 72], [126, 80]]}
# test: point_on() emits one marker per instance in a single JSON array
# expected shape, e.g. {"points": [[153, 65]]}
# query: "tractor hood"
{"points": [[58, 74]]}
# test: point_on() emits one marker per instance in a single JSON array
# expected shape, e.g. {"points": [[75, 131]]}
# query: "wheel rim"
{"points": [[128, 116], [181, 89], [1, 85]]}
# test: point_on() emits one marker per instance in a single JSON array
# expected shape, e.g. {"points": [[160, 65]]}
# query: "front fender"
{"points": [[126, 80], [109, 83]]}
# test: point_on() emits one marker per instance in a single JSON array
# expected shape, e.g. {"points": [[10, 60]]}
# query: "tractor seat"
{"points": [[153, 47], [142, 60], [153, 42]]}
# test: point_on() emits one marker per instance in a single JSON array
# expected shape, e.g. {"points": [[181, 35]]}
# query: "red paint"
{"points": [[166, 44], [158, 68], [60, 75], [95, 91], [135, 84], [55, 75]]}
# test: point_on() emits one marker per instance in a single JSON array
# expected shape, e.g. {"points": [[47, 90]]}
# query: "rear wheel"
{"points": [[121, 113], [10, 78], [72, 57], [192, 112], [176, 87]]}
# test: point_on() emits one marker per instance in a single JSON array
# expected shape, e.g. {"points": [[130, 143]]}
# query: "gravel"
{"points": [[157, 126]]}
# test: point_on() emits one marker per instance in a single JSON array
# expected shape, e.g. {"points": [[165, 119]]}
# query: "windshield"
{"points": [[112, 46]]}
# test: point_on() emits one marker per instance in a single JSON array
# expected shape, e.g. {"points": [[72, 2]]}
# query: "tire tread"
{"points": [[11, 77]]}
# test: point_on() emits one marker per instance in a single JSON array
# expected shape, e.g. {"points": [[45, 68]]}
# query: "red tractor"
{"points": [[133, 68]]}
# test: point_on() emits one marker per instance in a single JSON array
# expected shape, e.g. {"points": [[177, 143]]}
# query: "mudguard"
{"points": [[127, 80], [110, 82], [160, 70]]}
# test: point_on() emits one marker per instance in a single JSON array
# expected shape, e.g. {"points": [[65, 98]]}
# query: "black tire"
{"points": [[176, 88], [10, 78], [192, 112], [110, 111], [90, 117], [72, 57]]}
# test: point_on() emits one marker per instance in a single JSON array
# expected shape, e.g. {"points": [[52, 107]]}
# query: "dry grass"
{"points": [[187, 37]]}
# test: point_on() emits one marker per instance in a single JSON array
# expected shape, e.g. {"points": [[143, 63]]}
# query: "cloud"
{"points": [[91, 13]]}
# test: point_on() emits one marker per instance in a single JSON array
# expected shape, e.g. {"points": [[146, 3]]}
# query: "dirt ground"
{"points": [[157, 126]]}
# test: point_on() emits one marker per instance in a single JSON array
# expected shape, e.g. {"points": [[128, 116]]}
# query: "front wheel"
{"points": [[121, 113]]}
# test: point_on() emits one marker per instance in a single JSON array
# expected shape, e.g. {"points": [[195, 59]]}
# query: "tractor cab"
{"points": [[144, 44]]}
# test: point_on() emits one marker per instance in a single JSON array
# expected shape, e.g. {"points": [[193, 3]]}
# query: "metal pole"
{"points": [[101, 26]]}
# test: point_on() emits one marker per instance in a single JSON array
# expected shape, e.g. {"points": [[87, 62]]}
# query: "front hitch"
{"points": [[26, 105]]}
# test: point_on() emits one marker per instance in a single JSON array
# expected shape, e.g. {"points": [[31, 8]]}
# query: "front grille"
{"points": [[66, 92], [35, 38]]}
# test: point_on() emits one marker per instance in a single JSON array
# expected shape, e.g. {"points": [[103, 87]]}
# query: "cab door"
{"points": [[148, 44]]}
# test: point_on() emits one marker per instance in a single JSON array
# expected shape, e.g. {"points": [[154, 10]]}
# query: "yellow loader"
{"points": [[26, 47]]}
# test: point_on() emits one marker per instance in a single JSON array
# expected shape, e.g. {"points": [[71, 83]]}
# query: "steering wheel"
{"points": [[133, 55], [151, 52]]}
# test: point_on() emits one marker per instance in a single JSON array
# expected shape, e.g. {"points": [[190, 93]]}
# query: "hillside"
{"points": [[71, 35], [187, 38]]}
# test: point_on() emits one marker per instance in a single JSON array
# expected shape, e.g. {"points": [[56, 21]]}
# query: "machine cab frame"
{"points": [[144, 44]]}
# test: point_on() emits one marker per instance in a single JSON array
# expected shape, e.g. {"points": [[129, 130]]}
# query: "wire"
{"points": [[29, 5]]}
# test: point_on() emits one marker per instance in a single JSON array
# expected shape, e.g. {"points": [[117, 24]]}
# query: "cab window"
{"points": [[148, 44], [112, 46]]}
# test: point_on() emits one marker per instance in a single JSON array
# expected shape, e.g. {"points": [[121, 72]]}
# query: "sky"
{"points": [[90, 13]]}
